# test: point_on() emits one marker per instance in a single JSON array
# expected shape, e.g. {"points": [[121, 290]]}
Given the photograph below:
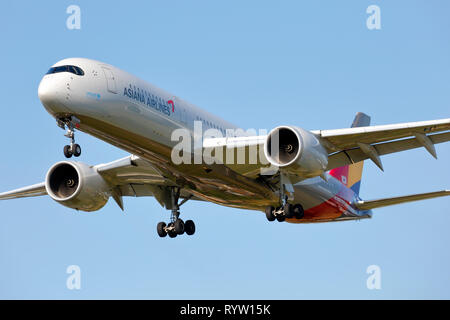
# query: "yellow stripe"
{"points": [[354, 173]]}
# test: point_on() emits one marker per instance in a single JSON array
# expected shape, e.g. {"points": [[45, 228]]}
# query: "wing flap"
{"points": [[372, 204], [130, 170], [244, 155], [355, 155], [30, 191]]}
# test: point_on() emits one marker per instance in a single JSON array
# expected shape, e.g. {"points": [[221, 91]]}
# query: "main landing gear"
{"points": [[286, 211], [176, 226], [73, 149]]}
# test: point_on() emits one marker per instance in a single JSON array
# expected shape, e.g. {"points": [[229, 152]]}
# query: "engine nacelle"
{"points": [[296, 151], [76, 185]]}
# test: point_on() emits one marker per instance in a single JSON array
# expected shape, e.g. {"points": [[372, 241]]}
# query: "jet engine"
{"points": [[296, 151], [76, 185]]}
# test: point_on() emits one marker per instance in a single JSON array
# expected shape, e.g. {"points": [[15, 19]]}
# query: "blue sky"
{"points": [[258, 64]]}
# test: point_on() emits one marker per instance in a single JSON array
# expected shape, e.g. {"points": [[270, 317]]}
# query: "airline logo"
{"points": [[172, 104], [149, 100]]}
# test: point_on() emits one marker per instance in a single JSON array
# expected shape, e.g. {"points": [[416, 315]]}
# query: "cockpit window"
{"points": [[72, 69]]}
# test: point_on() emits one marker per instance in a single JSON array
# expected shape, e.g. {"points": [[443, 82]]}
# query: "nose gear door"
{"points": [[110, 80]]}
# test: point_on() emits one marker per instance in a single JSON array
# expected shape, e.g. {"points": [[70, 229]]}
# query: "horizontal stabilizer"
{"points": [[372, 204], [30, 191]]}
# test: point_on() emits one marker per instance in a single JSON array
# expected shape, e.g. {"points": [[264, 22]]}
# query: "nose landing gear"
{"points": [[73, 149]]}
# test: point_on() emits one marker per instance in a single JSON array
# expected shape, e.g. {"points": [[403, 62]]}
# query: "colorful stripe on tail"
{"points": [[350, 175]]}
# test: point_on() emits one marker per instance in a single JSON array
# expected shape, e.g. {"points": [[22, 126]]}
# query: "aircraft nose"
{"points": [[49, 93]]}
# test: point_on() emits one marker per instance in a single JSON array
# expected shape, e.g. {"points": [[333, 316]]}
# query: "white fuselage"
{"points": [[138, 117]]}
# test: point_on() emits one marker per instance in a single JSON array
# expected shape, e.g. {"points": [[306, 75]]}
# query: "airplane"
{"points": [[298, 176]]}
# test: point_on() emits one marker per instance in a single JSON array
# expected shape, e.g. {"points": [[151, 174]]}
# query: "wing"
{"points": [[372, 204], [344, 146], [246, 153], [135, 177], [351, 145], [30, 191], [130, 176]]}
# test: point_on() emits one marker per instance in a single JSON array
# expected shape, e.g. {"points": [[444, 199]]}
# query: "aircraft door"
{"points": [[110, 80]]}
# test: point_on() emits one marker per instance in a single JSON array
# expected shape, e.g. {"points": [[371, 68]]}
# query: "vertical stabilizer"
{"points": [[350, 175]]}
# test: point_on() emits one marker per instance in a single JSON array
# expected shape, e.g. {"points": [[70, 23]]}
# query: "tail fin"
{"points": [[350, 175]]}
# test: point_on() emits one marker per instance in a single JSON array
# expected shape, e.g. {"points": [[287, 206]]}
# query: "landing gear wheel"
{"points": [[161, 231], [172, 234], [67, 151], [281, 218], [298, 211], [288, 210], [76, 150], [179, 226], [269, 213], [189, 227]]}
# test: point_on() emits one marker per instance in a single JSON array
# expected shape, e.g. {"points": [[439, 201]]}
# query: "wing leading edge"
{"points": [[30, 191]]}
